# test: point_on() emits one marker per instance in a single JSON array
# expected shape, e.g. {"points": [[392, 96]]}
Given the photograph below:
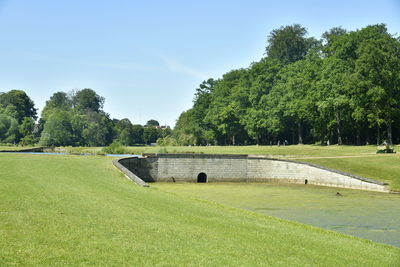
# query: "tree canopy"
{"points": [[342, 89]]}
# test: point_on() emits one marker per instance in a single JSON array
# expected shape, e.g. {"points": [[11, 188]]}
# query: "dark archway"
{"points": [[202, 178], [305, 181]]}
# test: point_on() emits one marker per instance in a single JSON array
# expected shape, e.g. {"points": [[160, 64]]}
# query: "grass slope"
{"points": [[57, 210], [365, 162]]}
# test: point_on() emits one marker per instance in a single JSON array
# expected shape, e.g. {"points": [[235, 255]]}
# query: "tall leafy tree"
{"points": [[289, 44], [26, 131], [377, 68], [152, 123], [58, 130], [17, 104], [137, 134], [334, 101], [151, 134], [8, 129], [58, 101], [87, 99], [297, 84], [227, 107], [124, 131]]}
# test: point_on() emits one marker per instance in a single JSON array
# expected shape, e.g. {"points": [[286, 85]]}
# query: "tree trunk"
{"points": [[339, 130], [299, 131], [293, 136], [389, 131], [233, 140], [358, 136], [378, 135]]}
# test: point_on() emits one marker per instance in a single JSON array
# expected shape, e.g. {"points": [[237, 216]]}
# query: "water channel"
{"points": [[369, 215]]}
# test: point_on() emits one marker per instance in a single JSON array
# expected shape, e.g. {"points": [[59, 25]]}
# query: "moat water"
{"points": [[370, 215]]}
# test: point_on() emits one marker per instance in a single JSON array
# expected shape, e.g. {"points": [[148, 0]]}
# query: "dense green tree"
{"points": [[87, 100], [26, 131], [152, 123], [296, 86], [187, 129], [58, 130], [8, 129], [151, 134], [377, 68], [58, 101], [17, 104], [98, 131], [289, 44], [227, 105], [124, 131], [339, 89], [331, 38], [81, 113], [334, 101], [137, 134]]}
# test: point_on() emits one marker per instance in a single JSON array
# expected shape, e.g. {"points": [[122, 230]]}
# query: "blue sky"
{"points": [[148, 57]]}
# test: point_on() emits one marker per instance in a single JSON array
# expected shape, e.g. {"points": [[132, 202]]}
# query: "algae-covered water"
{"points": [[370, 215]]}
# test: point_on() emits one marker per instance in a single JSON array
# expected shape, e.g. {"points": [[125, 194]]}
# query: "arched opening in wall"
{"points": [[305, 181], [202, 178]]}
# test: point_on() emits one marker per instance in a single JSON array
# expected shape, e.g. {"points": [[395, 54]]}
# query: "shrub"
{"points": [[385, 149], [115, 148], [167, 141]]}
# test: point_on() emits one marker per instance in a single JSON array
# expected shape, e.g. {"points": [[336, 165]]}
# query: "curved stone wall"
{"points": [[240, 168]]}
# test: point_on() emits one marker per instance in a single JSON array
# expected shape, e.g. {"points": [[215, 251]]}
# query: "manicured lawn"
{"points": [[281, 151], [76, 210]]}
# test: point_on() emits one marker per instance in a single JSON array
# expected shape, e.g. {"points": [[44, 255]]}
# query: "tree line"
{"points": [[341, 89], [69, 119]]}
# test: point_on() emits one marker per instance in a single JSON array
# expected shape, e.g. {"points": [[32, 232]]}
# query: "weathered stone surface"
{"points": [[241, 168], [128, 173]]}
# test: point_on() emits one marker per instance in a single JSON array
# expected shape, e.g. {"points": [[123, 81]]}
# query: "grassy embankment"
{"points": [[360, 160], [282, 151], [15, 148], [76, 210]]}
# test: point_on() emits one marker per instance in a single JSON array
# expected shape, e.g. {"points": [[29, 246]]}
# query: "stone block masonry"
{"points": [[241, 168]]}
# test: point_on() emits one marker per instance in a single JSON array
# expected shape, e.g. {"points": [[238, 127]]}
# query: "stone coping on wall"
{"points": [[128, 174], [195, 155], [258, 157]]}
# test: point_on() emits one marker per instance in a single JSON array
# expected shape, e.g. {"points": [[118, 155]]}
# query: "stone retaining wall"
{"points": [[241, 168]]}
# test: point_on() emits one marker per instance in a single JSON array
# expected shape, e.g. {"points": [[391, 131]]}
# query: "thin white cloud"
{"points": [[178, 67], [124, 66]]}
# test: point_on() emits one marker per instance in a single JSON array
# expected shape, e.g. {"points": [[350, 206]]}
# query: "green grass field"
{"points": [[282, 151], [77, 210]]}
